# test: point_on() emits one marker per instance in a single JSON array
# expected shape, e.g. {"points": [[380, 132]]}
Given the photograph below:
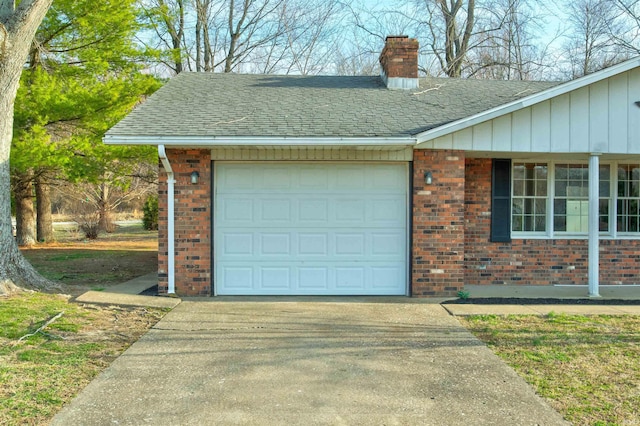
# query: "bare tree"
{"points": [[589, 45], [510, 50], [451, 24], [627, 34], [18, 24], [167, 19]]}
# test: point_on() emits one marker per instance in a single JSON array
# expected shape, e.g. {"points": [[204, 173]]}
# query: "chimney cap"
{"points": [[396, 36]]}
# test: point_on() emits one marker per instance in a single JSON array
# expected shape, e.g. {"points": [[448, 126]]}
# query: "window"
{"points": [[529, 203], [552, 199], [571, 200], [628, 198]]}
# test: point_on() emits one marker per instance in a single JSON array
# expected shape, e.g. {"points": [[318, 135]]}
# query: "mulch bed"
{"points": [[533, 301]]}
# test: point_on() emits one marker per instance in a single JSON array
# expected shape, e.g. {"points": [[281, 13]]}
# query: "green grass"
{"points": [[588, 367], [39, 374]]}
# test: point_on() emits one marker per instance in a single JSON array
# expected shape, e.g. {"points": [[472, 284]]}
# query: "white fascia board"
{"points": [[528, 101], [256, 141]]}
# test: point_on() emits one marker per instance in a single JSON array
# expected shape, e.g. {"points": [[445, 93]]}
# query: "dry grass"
{"points": [[588, 367], [82, 265], [41, 373]]}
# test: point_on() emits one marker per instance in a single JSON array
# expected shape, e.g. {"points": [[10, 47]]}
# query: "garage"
{"points": [[310, 228]]}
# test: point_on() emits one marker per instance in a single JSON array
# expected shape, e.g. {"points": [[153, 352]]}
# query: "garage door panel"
{"points": [[274, 244], [387, 244], [313, 278], [350, 278], [349, 244], [384, 277], [238, 244], [275, 277], [313, 244], [239, 278], [312, 211], [310, 228]]}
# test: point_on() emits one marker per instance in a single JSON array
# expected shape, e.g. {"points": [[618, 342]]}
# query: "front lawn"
{"points": [[588, 367], [41, 373]]}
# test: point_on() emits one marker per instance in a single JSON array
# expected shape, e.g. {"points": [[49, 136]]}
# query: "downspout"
{"points": [[170, 220]]}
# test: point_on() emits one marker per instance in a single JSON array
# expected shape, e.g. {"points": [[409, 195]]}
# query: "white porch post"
{"points": [[594, 225]]}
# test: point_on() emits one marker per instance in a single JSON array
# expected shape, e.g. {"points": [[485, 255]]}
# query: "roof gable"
{"points": [[527, 101]]}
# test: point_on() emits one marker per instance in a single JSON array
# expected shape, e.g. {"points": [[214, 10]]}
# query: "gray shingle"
{"points": [[232, 105]]}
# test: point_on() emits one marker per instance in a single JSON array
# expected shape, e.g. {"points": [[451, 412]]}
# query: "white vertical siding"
{"points": [[633, 140], [310, 153], [560, 130], [601, 117], [618, 116], [521, 130], [482, 136], [541, 127]]}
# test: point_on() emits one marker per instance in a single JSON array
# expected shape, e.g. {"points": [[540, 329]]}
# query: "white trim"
{"points": [[171, 269], [190, 141], [594, 241], [527, 101]]}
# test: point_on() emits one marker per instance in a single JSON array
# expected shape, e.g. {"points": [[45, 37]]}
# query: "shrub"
{"points": [[150, 213], [88, 220]]}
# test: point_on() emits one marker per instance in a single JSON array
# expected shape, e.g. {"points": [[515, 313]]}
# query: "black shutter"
{"points": [[501, 200]]}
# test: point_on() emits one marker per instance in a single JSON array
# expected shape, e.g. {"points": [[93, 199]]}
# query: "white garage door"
{"points": [[310, 229]]}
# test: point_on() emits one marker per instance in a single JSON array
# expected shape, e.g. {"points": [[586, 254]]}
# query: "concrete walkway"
{"points": [[128, 294], [373, 361]]}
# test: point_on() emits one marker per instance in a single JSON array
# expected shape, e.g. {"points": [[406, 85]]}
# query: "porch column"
{"points": [[594, 224]]}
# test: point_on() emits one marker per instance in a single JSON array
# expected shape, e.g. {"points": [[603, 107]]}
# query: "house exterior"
{"points": [[393, 185]]}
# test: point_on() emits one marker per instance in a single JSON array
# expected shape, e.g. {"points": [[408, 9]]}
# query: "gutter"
{"points": [[170, 220], [250, 141]]}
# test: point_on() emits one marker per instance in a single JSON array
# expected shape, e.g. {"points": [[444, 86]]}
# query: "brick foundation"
{"points": [[533, 261], [192, 223], [438, 223]]}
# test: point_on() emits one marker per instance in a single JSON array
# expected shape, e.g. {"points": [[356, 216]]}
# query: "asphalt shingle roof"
{"points": [[236, 105]]}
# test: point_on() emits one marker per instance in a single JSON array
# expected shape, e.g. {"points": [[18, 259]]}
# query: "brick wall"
{"points": [[533, 261], [438, 223], [192, 223]]}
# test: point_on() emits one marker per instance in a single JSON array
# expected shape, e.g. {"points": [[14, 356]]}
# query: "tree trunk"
{"points": [[104, 210], [25, 213], [17, 29], [44, 222]]}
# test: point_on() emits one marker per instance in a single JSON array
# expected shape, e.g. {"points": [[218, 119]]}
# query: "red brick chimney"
{"points": [[399, 62]]}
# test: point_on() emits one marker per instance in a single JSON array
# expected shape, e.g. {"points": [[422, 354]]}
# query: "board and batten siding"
{"points": [[599, 118], [320, 153]]}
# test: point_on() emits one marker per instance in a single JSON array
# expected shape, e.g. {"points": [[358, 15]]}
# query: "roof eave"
{"points": [[525, 102], [213, 141]]}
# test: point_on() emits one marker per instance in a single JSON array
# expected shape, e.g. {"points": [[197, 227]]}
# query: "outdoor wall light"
{"points": [[637, 103], [195, 177], [428, 178]]}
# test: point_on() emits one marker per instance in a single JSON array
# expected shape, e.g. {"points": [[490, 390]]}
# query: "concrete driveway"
{"points": [[350, 361]]}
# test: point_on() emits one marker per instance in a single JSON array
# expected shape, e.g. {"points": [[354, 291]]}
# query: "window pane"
{"points": [[518, 171], [603, 212], [541, 188], [628, 202], [518, 188]]}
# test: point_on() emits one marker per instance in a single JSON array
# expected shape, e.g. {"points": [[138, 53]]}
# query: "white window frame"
{"points": [[551, 233]]}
